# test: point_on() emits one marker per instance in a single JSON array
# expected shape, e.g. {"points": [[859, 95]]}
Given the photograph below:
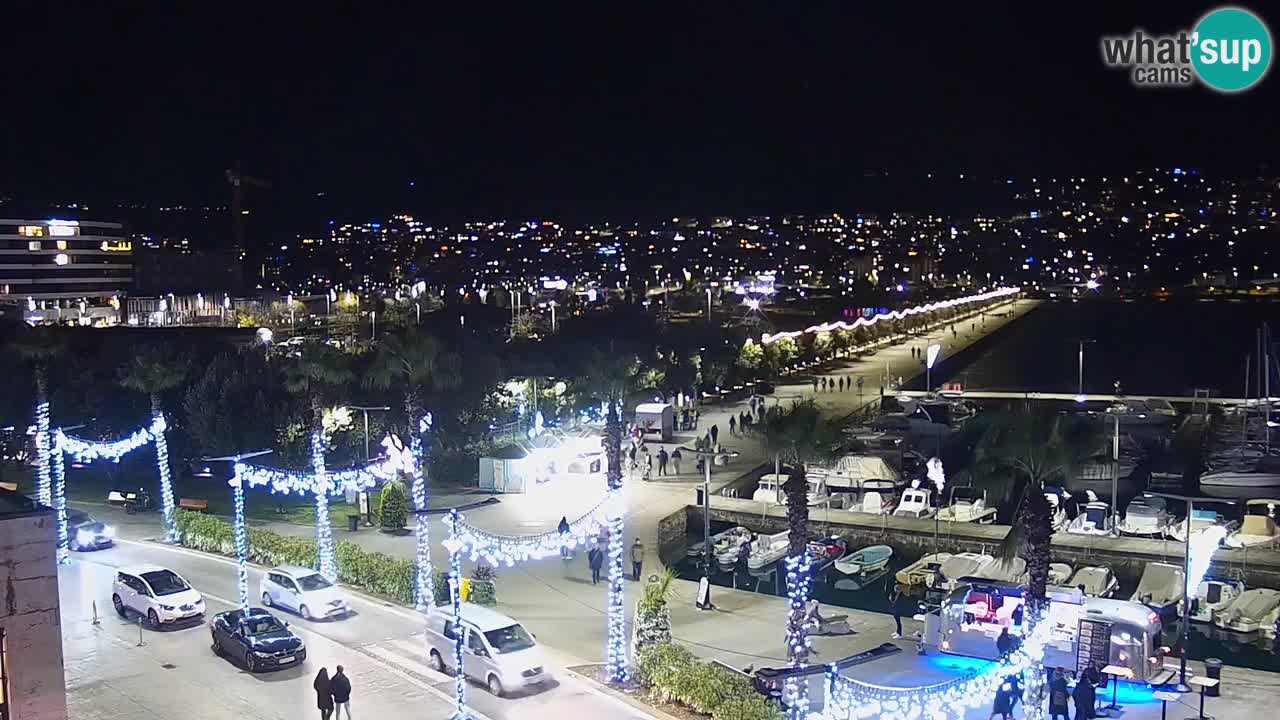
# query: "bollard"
{"points": [[140, 641], [96, 621]]}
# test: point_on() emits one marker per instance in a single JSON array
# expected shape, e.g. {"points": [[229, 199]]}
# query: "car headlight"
{"points": [[170, 608], [109, 530], [84, 537], [262, 654]]}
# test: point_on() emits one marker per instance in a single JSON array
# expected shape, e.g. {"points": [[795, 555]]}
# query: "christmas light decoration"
{"points": [[90, 450], [511, 549], [324, 531], [60, 506], [894, 315], [424, 587], [796, 692], [43, 483], [455, 547], [241, 540], [616, 637], [1203, 545], [166, 481]]}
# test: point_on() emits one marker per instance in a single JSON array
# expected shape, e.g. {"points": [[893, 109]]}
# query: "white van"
{"points": [[497, 650]]}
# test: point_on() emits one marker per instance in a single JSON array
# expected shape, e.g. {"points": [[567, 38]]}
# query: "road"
{"points": [[174, 673]]}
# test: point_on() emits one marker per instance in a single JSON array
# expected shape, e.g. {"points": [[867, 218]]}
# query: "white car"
{"points": [[303, 591], [497, 650], [160, 595]]}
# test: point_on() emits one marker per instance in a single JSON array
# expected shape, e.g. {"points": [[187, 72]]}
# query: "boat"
{"points": [[914, 504], [1058, 500], [1252, 611], [767, 550], [877, 497], [725, 542], [1260, 473], [1059, 574], [823, 553], [996, 569], [854, 583], [1095, 581], [865, 561], [1258, 526], [1200, 520], [851, 471], [919, 572], [968, 504], [1140, 412], [1160, 587], [1095, 519], [1212, 596], [959, 565], [1146, 517], [769, 490]]}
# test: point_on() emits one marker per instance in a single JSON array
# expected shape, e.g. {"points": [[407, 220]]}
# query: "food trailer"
{"points": [[656, 417]]}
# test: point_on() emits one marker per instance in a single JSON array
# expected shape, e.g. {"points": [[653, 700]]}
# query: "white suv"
{"points": [[161, 596], [303, 591]]}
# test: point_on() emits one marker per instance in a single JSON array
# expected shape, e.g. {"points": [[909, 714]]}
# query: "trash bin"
{"points": [[353, 522], [1213, 669]]}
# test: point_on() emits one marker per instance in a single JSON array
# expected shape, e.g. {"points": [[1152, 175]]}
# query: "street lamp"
{"points": [[708, 457], [364, 495], [931, 357], [1184, 631], [708, 303], [1080, 371]]}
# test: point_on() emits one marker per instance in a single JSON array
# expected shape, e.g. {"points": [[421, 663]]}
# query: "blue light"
{"points": [[375, 226], [1031, 260], [1035, 214], [1130, 693]]}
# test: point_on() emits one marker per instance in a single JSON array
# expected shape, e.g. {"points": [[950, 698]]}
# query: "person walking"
{"points": [[340, 688], [733, 425], [675, 460], [662, 461], [632, 455], [815, 385], [637, 559], [324, 695], [647, 465], [895, 606], [564, 537], [1084, 697], [715, 434], [1007, 696], [1058, 695], [595, 559], [1004, 644]]}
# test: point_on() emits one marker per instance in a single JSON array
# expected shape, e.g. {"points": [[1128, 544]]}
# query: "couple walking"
{"points": [[332, 693]]}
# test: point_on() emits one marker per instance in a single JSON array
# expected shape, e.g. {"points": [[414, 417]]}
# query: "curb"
{"points": [[600, 688]]}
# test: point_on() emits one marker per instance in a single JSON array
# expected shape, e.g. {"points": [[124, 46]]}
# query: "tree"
{"points": [[154, 371], [393, 509], [314, 374], [236, 405], [652, 622], [750, 357], [413, 363]]}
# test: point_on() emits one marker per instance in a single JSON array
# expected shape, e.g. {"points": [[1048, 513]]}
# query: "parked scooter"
{"points": [[134, 502]]}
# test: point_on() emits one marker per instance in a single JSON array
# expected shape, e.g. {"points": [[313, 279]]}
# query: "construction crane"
{"points": [[236, 179]]}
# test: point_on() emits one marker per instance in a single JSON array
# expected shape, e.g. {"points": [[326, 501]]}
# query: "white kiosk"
{"points": [[656, 417]]}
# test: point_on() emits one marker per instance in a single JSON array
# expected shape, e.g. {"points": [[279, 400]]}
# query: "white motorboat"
{"points": [[1141, 412], [767, 550], [1160, 587], [1059, 574], [851, 471], [1095, 581], [914, 503], [770, 490], [919, 572], [726, 542], [1200, 520], [959, 565], [1258, 526], [1095, 519], [1013, 570], [1255, 475], [1252, 611], [1146, 517], [967, 504], [1213, 595], [877, 497], [865, 561], [1058, 500]]}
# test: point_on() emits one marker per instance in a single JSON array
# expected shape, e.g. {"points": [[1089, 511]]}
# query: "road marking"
{"points": [[411, 665]]}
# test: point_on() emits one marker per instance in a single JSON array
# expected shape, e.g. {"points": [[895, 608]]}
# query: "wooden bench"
{"points": [[196, 504]]}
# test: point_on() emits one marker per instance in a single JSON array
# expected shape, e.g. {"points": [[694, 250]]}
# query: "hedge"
{"points": [[374, 572], [673, 674]]}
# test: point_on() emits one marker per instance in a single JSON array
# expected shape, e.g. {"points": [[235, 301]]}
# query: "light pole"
{"points": [[708, 304], [364, 495], [1184, 629], [1115, 479], [1080, 370], [708, 457], [931, 357]]}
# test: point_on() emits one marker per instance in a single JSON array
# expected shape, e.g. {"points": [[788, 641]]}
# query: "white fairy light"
{"points": [[44, 491], [894, 315], [324, 531], [60, 506], [455, 547], [240, 538]]}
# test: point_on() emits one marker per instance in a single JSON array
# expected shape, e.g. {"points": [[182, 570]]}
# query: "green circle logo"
{"points": [[1231, 49]]}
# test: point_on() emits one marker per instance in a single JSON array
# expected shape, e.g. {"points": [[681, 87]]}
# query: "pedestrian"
{"points": [[815, 385], [631, 455], [662, 461], [715, 434], [1004, 644], [1017, 614], [745, 423], [324, 698], [1058, 695], [564, 537], [637, 559], [1007, 696], [1084, 697], [733, 425], [675, 460], [647, 465], [340, 688], [595, 559], [895, 605]]}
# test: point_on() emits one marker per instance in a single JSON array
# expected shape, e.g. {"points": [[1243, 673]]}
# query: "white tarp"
{"points": [[851, 471]]}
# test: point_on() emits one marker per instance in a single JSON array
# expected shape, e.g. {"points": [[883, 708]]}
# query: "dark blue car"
{"points": [[257, 639]]}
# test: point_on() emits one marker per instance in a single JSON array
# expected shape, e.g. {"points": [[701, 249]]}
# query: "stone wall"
{"points": [[672, 534], [30, 619]]}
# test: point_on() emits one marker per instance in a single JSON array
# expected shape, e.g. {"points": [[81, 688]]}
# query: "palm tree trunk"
{"points": [[616, 647], [424, 588], [1037, 522], [324, 531], [162, 467], [44, 490]]}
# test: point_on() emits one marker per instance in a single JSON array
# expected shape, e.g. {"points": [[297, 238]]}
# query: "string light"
{"points": [[455, 546], [60, 506], [324, 531], [43, 490], [798, 568], [424, 587], [166, 481], [511, 549], [239, 537], [894, 315], [90, 450], [616, 640]]}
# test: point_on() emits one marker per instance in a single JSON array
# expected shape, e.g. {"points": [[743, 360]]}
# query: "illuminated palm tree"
{"points": [[40, 347], [156, 370]]}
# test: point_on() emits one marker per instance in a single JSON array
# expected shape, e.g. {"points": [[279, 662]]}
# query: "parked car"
{"points": [[303, 591], [161, 596], [497, 650], [84, 533], [257, 639]]}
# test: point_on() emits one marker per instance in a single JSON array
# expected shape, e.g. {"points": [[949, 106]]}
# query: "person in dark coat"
{"points": [[595, 558], [1084, 696], [675, 461], [733, 425], [715, 433], [1004, 644], [1058, 695], [564, 537], [895, 606], [662, 461], [340, 688], [324, 694], [1007, 696]]}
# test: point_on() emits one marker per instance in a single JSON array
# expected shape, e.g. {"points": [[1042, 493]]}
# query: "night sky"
{"points": [[558, 109]]}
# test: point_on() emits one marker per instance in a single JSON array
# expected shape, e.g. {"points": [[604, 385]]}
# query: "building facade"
{"points": [[32, 684], [65, 271]]}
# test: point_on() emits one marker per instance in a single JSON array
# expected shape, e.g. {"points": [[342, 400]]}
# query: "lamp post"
{"points": [[1184, 629], [708, 304], [931, 357], [363, 497], [708, 457], [1080, 370]]}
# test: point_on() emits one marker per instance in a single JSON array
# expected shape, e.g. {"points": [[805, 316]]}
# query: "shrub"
{"points": [[394, 511], [672, 673], [484, 590]]}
